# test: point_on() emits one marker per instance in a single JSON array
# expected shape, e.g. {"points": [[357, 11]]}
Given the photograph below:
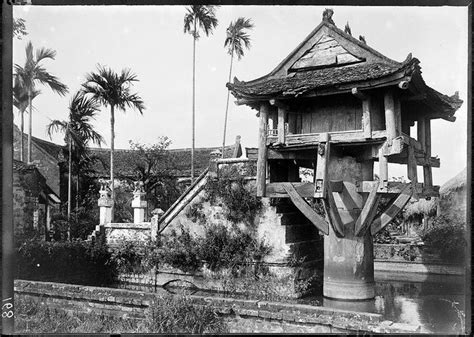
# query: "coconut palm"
{"points": [[33, 73], [198, 17], [237, 38], [20, 101], [112, 89], [78, 132]]}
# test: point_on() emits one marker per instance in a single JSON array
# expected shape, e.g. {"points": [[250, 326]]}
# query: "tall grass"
{"points": [[172, 314]]}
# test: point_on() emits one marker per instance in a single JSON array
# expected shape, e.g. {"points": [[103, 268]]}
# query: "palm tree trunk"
{"points": [[22, 126], [69, 180], [112, 137], [194, 98], [227, 104], [29, 127]]}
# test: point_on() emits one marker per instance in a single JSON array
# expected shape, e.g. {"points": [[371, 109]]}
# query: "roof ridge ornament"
{"points": [[327, 16]]}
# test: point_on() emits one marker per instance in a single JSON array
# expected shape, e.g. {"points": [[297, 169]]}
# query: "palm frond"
{"points": [[52, 81], [44, 53]]}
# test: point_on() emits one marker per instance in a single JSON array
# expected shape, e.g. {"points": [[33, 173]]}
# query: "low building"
{"points": [[34, 201]]}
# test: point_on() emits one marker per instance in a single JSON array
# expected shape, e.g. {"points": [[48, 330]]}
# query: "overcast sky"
{"points": [[150, 41]]}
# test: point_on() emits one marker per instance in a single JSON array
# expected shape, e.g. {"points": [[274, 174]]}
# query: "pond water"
{"points": [[435, 302]]}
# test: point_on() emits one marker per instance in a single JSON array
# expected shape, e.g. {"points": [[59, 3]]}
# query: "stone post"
{"points": [[215, 156], [139, 203], [155, 219], [348, 260], [105, 202]]}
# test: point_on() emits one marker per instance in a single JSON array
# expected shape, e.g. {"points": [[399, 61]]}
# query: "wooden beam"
{"points": [[420, 132], [281, 125], [306, 209], [368, 211], [411, 169], [392, 210], [412, 173], [383, 168], [321, 173], [306, 190], [262, 150], [398, 116], [343, 137], [291, 123], [332, 214], [366, 119], [390, 120]]}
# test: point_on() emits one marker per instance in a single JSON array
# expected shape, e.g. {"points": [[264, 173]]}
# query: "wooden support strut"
{"points": [[368, 211], [306, 209], [330, 208], [412, 173], [392, 210]]}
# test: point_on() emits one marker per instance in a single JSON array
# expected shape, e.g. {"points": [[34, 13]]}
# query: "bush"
{"points": [[69, 262], [239, 201], [222, 248], [447, 238], [128, 258]]}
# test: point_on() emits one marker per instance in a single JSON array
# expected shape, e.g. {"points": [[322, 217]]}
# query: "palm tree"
{"points": [[198, 17], [78, 132], [109, 88], [20, 101], [235, 41], [33, 73]]}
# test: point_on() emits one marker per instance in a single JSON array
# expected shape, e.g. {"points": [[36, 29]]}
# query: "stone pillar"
{"points": [[348, 260], [213, 167], [105, 202], [139, 203]]}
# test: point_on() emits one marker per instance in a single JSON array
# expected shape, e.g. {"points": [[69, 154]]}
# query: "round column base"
{"points": [[349, 290]]}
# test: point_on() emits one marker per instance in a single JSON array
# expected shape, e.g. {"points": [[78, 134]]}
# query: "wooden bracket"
{"points": [[332, 214], [368, 211], [306, 209], [321, 181], [392, 210]]}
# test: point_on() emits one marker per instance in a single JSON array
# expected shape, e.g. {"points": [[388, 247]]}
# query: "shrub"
{"points": [[239, 200], [179, 250], [221, 247], [128, 258], [447, 238], [69, 262]]}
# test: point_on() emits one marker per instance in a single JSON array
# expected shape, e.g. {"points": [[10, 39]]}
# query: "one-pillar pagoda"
{"points": [[336, 105]]}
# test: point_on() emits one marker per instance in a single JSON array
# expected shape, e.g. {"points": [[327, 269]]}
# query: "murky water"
{"points": [[436, 302]]}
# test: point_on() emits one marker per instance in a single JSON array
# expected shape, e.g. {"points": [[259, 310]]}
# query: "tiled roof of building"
{"points": [[301, 82], [179, 161], [330, 61]]}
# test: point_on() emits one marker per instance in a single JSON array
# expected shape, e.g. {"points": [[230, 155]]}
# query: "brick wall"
{"points": [[242, 314]]}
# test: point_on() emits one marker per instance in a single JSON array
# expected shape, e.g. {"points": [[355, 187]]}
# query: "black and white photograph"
{"points": [[236, 169]]}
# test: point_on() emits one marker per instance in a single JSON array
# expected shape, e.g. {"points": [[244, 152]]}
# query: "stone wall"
{"points": [[242, 315]]}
